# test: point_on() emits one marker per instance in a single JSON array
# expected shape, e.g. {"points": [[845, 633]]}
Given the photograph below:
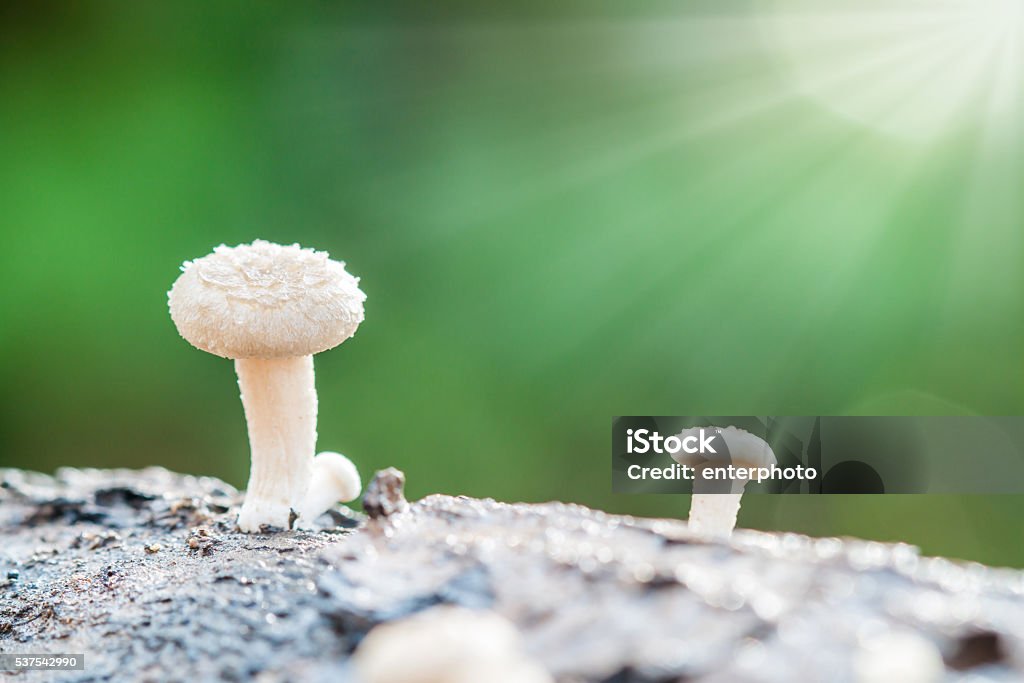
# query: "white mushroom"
{"points": [[446, 645], [716, 502], [900, 655], [270, 308], [334, 479]]}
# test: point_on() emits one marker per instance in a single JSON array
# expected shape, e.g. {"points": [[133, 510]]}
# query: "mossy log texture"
{"points": [[144, 572]]}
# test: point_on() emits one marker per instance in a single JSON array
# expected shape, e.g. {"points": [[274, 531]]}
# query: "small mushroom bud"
{"points": [[335, 479], [716, 502], [446, 645], [270, 308]]}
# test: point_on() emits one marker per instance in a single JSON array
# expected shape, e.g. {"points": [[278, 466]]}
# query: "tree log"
{"points": [[145, 573]]}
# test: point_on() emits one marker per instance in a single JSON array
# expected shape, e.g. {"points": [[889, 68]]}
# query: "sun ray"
{"points": [[740, 222], [976, 31]]}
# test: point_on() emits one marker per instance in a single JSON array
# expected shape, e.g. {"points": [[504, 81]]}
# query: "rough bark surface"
{"points": [[144, 572]]}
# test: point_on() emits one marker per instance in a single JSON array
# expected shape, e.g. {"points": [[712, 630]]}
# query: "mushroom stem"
{"points": [[279, 397], [714, 514], [715, 505]]}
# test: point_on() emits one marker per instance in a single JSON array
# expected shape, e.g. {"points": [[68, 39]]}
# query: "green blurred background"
{"points": [[559, 213]]}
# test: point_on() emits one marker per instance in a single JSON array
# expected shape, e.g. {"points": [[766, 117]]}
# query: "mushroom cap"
{"points": [[742, 448], [264, 300]]}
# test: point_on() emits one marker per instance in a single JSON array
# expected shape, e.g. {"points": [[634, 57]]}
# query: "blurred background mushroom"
{"points": [[715, 503]]}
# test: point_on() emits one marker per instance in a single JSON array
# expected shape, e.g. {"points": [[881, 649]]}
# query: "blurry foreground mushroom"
{"points": [[716, 502], [446, 645], [903, 656], [270, 308]]}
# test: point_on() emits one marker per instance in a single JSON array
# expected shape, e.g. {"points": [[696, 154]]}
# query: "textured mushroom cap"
{"points": [[742, 448], [265, 300]]}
